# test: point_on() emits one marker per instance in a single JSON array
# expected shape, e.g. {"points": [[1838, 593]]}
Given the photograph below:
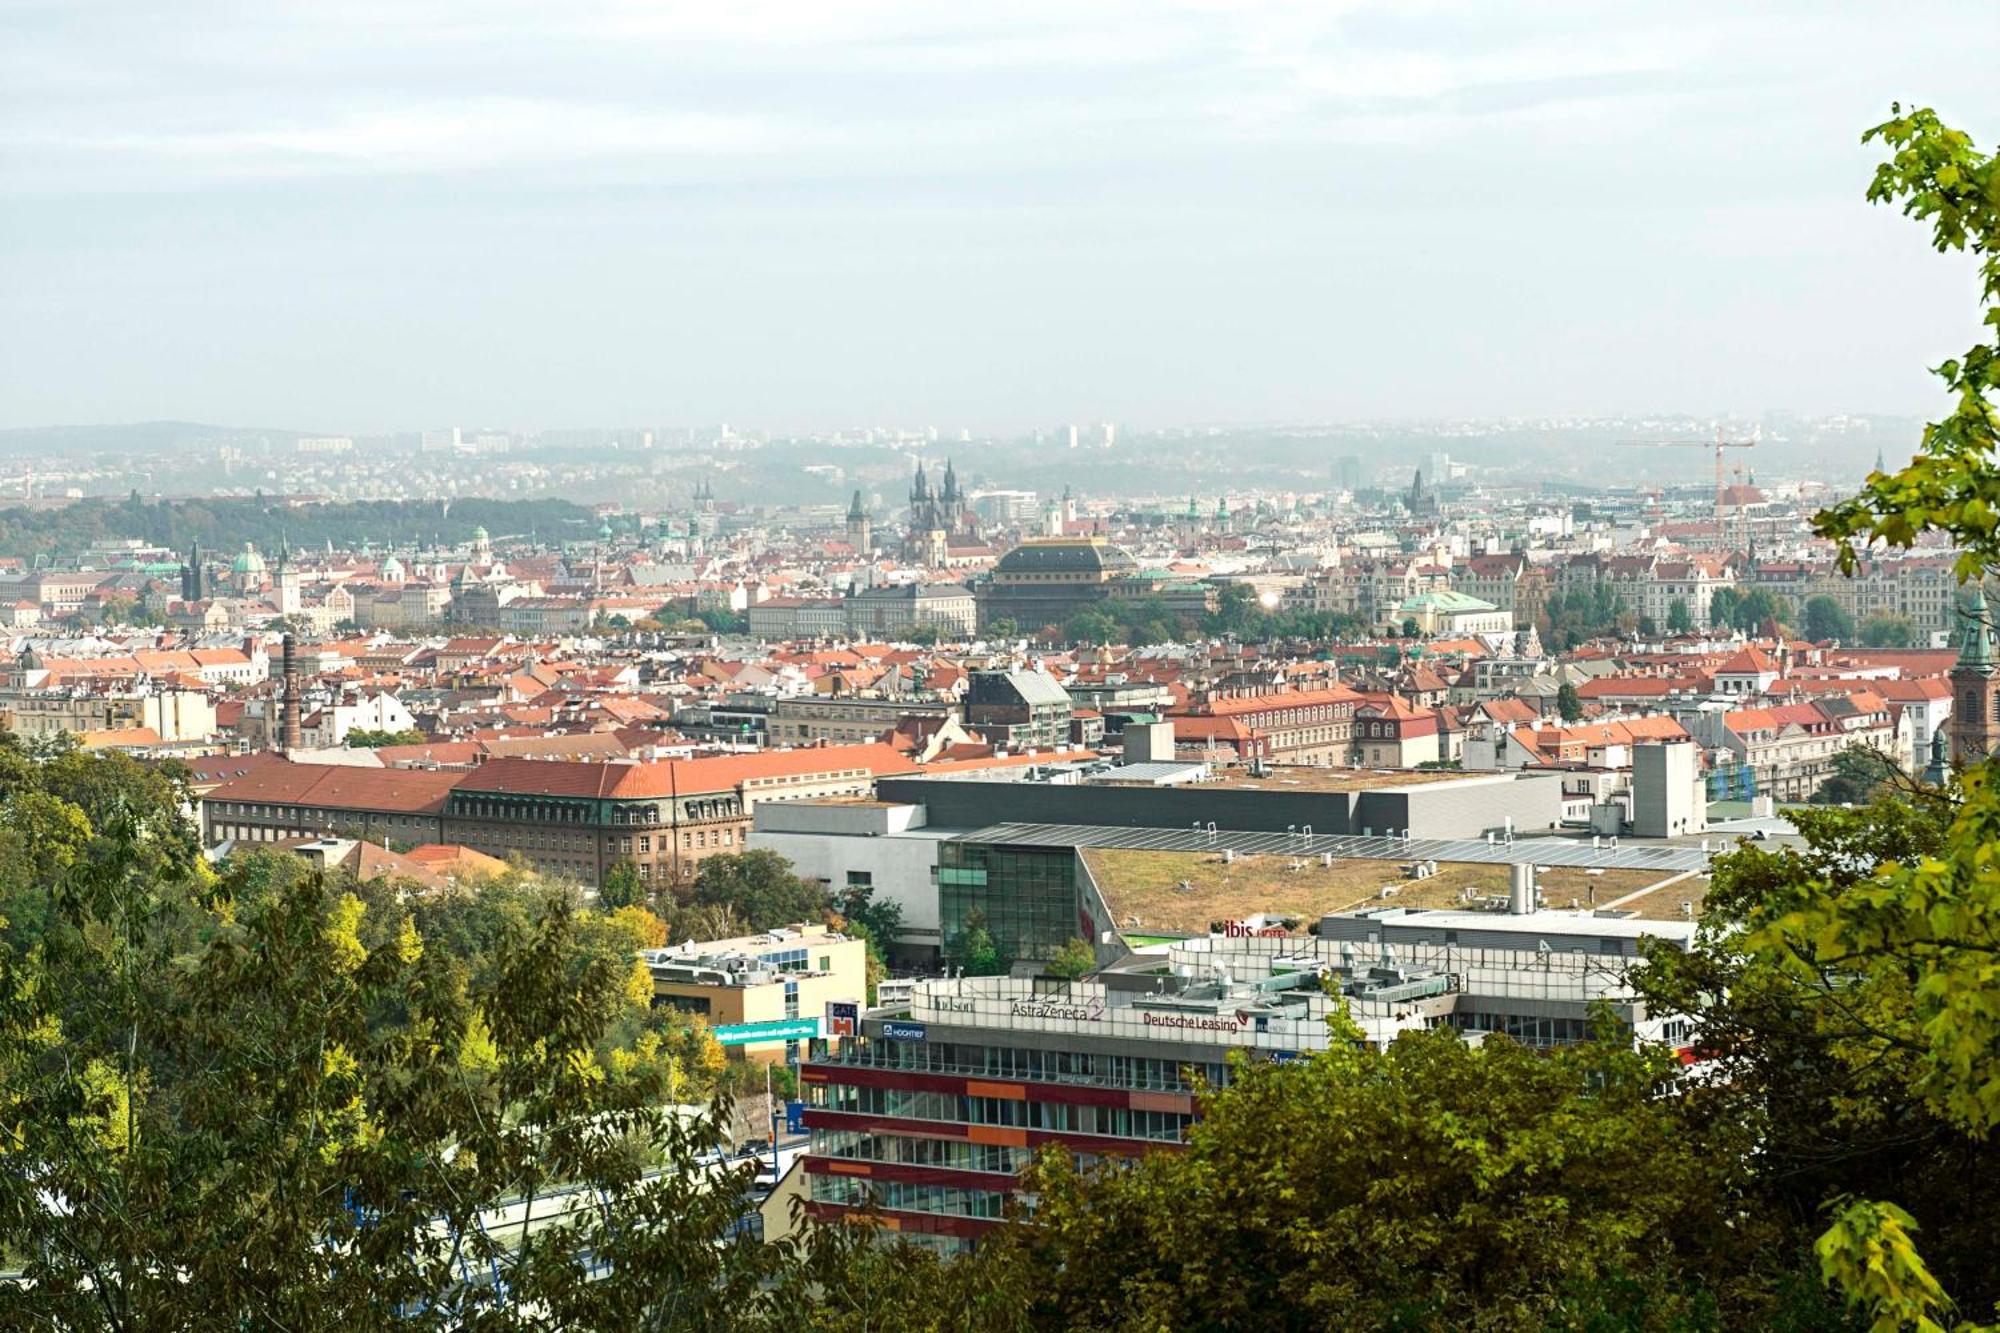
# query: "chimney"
{"points": [[1521, 888], [291, 740]]}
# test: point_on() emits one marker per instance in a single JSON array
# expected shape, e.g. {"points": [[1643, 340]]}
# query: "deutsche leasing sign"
{"points": [[1198, 1022]]}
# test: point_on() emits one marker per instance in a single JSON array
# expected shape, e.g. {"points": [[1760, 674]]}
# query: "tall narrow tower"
{"points": [[860, 534], [292, 738], [193, 584], [1975, 684]]}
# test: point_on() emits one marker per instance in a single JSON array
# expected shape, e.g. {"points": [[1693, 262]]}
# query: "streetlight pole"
{"points": [[771, 1106]]}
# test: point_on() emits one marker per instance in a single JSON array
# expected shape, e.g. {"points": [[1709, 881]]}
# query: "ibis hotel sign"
{"points": [[1243, 930]]}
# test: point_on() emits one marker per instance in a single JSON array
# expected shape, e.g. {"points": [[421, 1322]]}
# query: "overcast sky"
{"points": [[358, 216]]}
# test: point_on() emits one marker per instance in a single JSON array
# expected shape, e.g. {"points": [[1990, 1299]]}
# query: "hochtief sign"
{"points": [[775, 1029]]}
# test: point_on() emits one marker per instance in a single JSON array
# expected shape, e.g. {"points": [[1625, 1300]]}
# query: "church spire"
{"points": [[1976, 648]]}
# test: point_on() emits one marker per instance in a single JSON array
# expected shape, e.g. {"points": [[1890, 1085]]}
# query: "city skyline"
{"points": [[801, 216]]}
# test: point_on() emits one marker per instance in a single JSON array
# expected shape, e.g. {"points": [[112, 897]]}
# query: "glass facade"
{"points": [[937, 1200], [1528, 1029], [1031, 1064], [1027, 895], [948, 1155], [912, 1150], [1006, 1112]]}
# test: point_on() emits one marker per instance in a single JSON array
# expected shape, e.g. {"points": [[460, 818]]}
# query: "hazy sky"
{"points": [[355, 216]]}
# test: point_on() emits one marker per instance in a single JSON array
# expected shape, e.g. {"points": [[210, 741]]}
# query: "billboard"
{"points": [[772, 1029]]}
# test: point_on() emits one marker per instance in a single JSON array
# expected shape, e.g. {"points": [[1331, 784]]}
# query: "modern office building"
{"points": [[933, 1112], [1027, 896], [958, 852], [880, 846], [1327, 801], [929, 1116]]}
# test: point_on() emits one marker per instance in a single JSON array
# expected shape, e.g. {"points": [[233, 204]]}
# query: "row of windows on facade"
{"points": [[1532, 1030], [694, 839], [922, 1150], [254, 810], [896, 1195], [690, 839], [556, 812], [952, 1108], [1032, 1064]]}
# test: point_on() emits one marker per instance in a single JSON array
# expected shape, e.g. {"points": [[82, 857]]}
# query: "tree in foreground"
{"points": [[261, 1099], [1437, 1184], [1893, 964], [1840, 986]]}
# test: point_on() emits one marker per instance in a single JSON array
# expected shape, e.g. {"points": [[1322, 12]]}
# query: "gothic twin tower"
{"points": [[939, 519]]}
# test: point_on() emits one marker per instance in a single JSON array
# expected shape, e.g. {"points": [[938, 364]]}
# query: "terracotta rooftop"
{"points": [[342, 787]]}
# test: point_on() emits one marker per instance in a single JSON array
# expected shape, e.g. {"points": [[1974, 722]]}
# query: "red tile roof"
{"points": [[343, 787], [669, 777], [1750, 660], [1269, 703]]}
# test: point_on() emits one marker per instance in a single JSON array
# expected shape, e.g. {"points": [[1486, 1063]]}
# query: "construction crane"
{"points": [[1718, 444]]}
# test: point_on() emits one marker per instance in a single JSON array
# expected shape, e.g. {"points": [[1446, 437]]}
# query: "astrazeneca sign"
{"points": [[1086, 1011]]}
